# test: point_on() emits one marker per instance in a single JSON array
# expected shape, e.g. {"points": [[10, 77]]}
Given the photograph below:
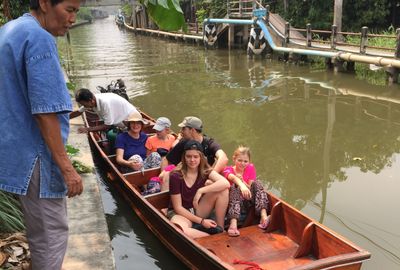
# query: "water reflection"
{"points": [[326, 143], [131, 240]]}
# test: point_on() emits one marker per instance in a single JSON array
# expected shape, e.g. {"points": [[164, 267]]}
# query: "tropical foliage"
{"points": [[376, 14], [207, 9], [84, 14], [167, 14], [11, 9]]}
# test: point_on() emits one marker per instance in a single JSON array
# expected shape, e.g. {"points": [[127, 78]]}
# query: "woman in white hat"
{"points": [[130, 146]]}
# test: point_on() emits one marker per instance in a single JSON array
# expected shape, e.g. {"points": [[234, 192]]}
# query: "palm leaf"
{"points": [[11, 217]]}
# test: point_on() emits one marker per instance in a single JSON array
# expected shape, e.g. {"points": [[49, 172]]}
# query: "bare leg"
{"points": [[217, 201], [221, 205], [263, 215], [186, 226], [232, 230], [165, 180]]}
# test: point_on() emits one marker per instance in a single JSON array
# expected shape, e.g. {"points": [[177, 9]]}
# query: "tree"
{"points": [[337, 14], [12, 9]]}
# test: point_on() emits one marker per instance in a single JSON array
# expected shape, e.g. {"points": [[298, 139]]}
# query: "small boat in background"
{"points": [[119, 18], [291, 241]]}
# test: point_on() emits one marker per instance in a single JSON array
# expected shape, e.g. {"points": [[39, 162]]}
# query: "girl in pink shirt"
{"points": [[245, 190]]}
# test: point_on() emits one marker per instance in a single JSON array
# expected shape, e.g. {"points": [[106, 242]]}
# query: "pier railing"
{"points": [[347, 41], [242, 8]]}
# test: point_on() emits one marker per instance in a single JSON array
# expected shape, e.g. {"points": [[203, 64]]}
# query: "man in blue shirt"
{"points": [[34, 119]]}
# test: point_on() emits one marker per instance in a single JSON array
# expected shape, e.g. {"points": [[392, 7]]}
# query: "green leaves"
{"points": [[71, 151], [78, 165], [11, 217], [167, 14]]}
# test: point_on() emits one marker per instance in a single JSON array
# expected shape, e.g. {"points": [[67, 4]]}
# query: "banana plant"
{"points": [[167, 14]]}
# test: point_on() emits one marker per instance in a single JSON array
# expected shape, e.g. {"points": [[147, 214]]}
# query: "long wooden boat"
{"points": [[292, 240]]}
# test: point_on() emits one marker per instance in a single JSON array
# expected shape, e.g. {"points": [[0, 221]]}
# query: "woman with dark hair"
{"points": [[130, 148], [34, 98], [192, 201]]}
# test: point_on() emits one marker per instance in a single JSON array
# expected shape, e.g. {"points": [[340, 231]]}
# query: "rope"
{"points": [[253, 265]]}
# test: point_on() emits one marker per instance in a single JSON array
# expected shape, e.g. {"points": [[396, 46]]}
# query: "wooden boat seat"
{"points": [[139, 178], [159, 200]]}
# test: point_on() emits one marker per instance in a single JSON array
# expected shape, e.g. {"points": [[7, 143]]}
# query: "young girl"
{"points": [[191, 200], [245, 190]]}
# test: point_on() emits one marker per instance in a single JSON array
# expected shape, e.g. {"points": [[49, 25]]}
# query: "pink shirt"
{"points": [[249, 173]]}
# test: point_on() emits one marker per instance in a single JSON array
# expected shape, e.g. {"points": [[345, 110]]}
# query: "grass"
{"points": [[376, 41], [11, 217]]}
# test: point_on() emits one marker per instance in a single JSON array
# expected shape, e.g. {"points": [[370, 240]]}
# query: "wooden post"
{"points": [[364, 40], [267, 14], [397, 52], [240, 8], [333, 36], [309, 34], [228, 10], [231, 36], [245, 37], [350, 66], [392, 75], [287, 34]]}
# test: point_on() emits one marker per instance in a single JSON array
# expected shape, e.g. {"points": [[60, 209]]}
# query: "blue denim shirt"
{"points": [[31, 82]]}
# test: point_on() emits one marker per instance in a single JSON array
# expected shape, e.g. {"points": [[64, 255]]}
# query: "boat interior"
{"points": [[291, 241]]}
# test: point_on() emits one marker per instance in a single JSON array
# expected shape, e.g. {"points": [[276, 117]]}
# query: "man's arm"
{"points": [[77, 112], [49, 126], [221, 161], [95, 128]]}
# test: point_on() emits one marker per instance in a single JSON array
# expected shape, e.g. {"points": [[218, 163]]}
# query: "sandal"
{"points": [[264, 224], [233, 232]]}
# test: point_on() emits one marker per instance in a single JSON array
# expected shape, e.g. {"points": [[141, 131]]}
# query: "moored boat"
{"points": [[291, 241]]}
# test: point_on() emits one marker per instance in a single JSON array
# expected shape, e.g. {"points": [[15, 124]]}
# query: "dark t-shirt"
{"points": [[209, 145], [177, 185], [132, 146]]}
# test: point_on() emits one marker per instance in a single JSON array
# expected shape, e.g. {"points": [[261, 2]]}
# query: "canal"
{"points": [[327, 144]]}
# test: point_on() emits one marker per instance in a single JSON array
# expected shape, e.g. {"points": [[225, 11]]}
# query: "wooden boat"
{"points": [[292, 240]]}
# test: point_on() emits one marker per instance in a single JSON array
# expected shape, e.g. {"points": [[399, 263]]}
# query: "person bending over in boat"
{"points": [[130, 146], [162, 141], [111, 108], [191, 200], [246, 191], [191, 129]]}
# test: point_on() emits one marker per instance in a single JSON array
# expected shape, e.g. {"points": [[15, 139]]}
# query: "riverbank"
{"points": [[89, 245]]}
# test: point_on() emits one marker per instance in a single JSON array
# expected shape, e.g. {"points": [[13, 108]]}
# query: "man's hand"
{"points": [[74, 183], [83, 130]]}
